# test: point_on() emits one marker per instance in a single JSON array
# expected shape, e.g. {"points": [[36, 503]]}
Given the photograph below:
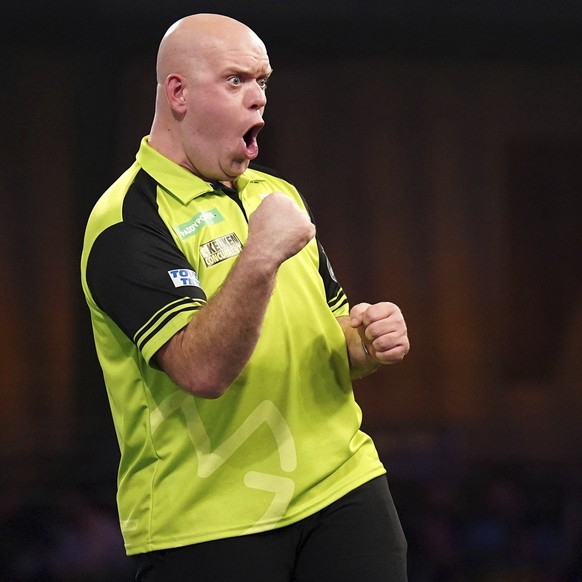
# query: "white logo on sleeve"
{"points": [[184, 278]]}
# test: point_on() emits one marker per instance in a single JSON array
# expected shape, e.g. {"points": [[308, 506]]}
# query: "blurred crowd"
{"points": [[63, 536], [495, 525], [490, 524]]}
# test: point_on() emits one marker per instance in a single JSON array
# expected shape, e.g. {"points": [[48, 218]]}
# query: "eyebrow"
{"points": [[247, 70]]}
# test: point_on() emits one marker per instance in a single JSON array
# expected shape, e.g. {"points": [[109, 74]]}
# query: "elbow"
{"points": [[203, 380], [207, 388], [202, 383], [208, 392]]}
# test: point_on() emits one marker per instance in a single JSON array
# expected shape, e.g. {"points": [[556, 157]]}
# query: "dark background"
{"points": [[440, 147]]}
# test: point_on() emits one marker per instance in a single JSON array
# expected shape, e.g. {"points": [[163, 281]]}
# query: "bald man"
{"points": [[228, 346]]}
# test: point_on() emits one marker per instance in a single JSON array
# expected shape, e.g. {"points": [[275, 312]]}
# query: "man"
{"points": [[228, 346]]}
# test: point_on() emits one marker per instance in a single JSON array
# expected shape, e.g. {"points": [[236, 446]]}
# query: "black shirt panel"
{"points": [[129, 267]]}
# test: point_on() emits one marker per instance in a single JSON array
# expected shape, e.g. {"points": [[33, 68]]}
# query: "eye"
{"points": [[235, 80], [263, 83]]}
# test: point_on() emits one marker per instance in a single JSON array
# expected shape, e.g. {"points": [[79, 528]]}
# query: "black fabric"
{"points": [[127, 268], [356, 539], [232, 194], [333, 290]]}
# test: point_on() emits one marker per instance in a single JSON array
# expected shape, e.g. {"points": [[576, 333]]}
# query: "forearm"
{"points": [[361, 364], [207, 355], [210, 352]]}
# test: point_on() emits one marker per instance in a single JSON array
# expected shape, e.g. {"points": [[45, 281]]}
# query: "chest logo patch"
{"points": [[197, 222], [220, 249]]}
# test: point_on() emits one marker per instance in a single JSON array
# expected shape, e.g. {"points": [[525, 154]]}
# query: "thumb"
{"points": [[357, 314]]}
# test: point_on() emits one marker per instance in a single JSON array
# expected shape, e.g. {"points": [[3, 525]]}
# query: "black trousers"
{"points": [[356, 539]]}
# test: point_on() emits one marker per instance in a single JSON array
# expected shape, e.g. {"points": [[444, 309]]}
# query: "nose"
{"points": [[257, 97]]}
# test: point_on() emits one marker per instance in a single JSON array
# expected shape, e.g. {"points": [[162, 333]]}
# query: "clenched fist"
{"points": [[382, 330], [279, 229]]}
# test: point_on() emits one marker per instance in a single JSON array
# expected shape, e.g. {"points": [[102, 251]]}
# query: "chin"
{"points": [[237, 169]]}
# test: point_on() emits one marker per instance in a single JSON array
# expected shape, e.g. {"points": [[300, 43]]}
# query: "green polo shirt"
{"points": [[284, 441]]}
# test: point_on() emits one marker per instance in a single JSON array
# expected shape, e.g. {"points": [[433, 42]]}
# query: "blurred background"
{"points": [[440, 147]]}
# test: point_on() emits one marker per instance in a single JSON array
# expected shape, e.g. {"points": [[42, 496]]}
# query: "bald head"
{"points": [[191, 39], [212, 75]]}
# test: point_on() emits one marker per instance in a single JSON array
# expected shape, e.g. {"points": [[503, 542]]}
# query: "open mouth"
{"points": [[250, 137], [250, 141]]}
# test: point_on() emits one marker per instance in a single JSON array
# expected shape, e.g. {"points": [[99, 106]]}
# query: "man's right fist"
{"points": [[278, 228]]}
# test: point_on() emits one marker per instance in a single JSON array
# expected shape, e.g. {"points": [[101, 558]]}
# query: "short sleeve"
{"points": [[139, 277], [336, 298]]}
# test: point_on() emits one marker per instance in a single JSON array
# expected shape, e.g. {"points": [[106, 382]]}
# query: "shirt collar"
{"points": [[178, 180]]}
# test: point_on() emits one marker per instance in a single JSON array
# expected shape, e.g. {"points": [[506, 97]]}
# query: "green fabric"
{"points": [[284, 441]]}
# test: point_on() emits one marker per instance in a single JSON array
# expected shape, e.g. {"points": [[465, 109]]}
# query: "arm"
{"points": [[375, 335], [207, 355]]}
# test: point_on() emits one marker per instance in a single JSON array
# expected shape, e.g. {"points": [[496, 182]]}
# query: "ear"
{"points": [[175, 88]]}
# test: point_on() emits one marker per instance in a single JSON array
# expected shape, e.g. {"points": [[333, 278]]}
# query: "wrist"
{"points": [[261, 257], [256, 265]]}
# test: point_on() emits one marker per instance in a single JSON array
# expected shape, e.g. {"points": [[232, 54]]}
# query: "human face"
{"points": [[226, 98]]}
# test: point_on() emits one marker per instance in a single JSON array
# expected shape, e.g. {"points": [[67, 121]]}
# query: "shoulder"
{"points": [[269, 171], [274, 174]]}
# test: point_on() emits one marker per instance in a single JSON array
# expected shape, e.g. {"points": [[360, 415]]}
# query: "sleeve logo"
{"points": [[184, 278]]}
